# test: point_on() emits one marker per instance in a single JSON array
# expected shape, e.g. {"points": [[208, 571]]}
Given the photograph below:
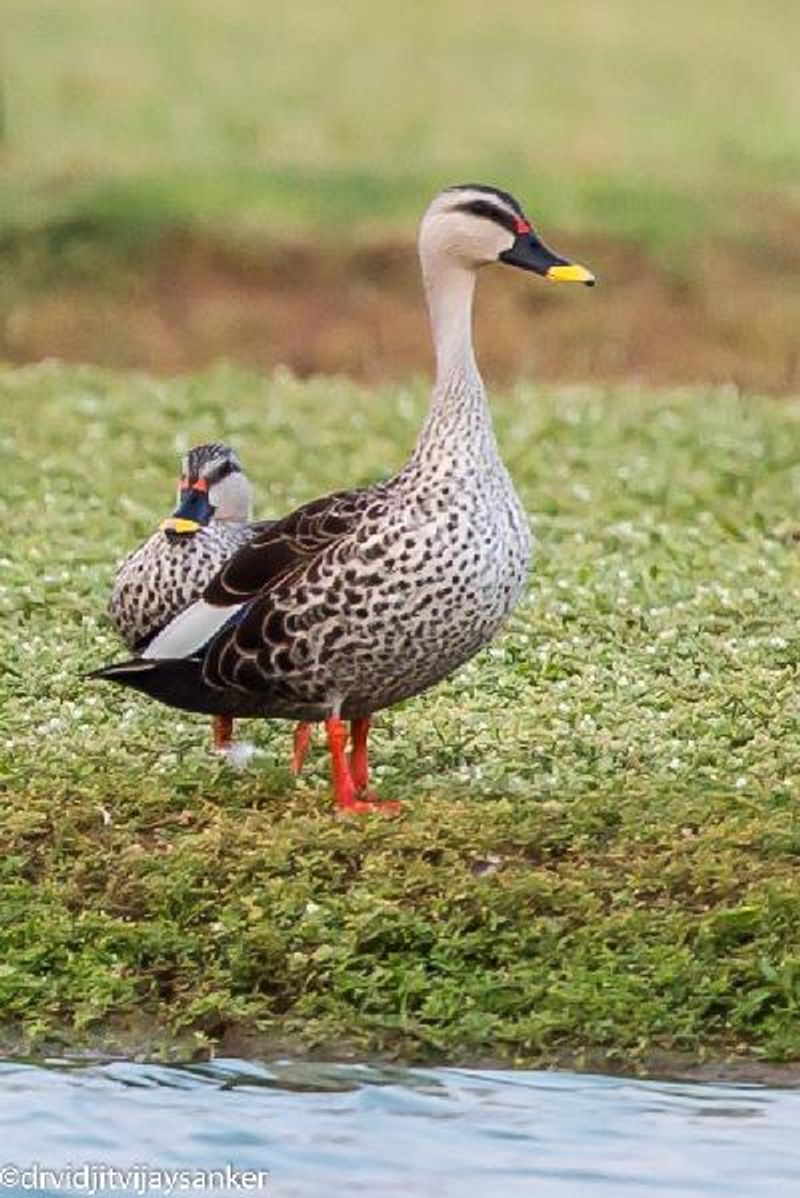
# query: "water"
{"points": [[346, 1130]]}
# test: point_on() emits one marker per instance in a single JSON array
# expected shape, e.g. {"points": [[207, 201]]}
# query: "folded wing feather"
{"points": [[280, 548]]}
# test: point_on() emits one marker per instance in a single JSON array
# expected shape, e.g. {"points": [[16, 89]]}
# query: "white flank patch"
{"points": [[189, 631], [239, 755]]}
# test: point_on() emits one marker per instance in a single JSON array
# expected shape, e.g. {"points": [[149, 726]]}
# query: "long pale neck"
{"points": [[458, 431], [449, 292]]}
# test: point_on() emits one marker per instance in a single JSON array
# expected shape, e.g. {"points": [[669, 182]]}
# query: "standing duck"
{"points": [[171, 570], [363, 598], [175, 565]]}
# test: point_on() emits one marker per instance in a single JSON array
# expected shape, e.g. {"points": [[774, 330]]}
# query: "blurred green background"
{"points": [[351, 112], [672, 130]]}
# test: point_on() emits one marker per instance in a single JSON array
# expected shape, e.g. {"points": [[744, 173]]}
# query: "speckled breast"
{"points": [[161, 578]]}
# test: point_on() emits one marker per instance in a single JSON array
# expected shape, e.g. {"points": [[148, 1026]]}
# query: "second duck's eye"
{"points": [[218, 473]]}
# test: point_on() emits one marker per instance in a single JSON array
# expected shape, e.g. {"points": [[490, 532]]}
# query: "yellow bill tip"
{"points": [[571, 272], [176, 524]]}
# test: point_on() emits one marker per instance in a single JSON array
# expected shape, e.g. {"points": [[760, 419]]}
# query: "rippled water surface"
{"points": [[347, 1129]]}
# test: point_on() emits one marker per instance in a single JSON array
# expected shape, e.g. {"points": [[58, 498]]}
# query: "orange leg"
{"points": [[302, 735], [359, 756], [222, 731], [344, 786]]}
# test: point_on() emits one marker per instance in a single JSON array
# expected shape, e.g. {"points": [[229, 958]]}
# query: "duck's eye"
{"points": [[222, 471], [489, 211]]}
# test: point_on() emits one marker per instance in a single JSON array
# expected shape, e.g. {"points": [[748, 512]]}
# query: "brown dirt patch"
{"points": [[729, 313]]}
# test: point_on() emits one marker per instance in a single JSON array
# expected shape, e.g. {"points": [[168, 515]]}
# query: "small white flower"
{"points": [[239, 755]]}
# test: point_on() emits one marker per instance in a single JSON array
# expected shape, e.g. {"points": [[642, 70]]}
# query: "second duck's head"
{"points": [[212, 486], [471, 225]]}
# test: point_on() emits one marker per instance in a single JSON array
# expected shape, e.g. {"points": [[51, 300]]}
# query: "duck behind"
{"points": [[175, 565], [172, 569]]}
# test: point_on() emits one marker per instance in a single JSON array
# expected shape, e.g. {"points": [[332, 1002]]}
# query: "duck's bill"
{"points": [[179, 527], [570, 272], [529, 253], [193, 512]]}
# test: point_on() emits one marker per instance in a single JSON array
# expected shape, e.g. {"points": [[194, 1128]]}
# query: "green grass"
{"points": [[634, 119], [599, 854]]}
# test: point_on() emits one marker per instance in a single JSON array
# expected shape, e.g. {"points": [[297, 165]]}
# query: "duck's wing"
{"points": [[244, 590], [283, 547], [282, 586]]}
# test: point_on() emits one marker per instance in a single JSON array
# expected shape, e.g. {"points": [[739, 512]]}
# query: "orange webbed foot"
{"points": [[351, 776], [371, 805]]}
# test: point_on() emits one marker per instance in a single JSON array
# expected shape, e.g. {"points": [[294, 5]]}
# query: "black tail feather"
{"points": [[177, 682]]}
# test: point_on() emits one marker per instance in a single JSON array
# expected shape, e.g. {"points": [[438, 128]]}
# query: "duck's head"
{"points": [[212, 486], [472, 225]]}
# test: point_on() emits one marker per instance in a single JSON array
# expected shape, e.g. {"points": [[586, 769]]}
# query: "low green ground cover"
{"points": [[599, 855]]}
